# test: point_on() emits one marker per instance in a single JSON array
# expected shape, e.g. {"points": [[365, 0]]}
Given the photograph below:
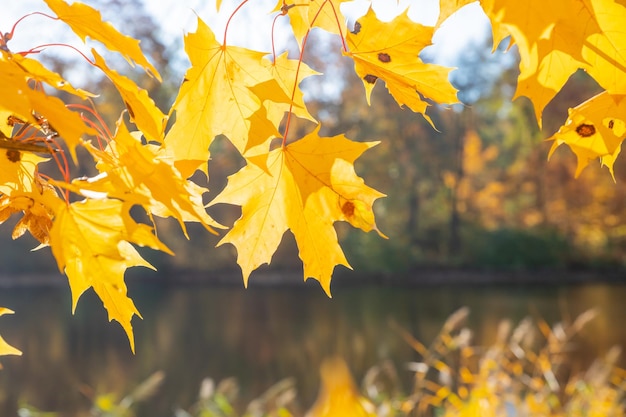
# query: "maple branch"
{"points": [[40, 48], [231, 18], [295, 83], [8, 36]]}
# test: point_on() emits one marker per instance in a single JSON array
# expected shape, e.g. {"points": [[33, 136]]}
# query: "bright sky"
{"points": [[178, 16]]}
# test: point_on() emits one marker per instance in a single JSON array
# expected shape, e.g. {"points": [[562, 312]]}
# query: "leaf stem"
{"points": [[231, 18], [41, 48]]}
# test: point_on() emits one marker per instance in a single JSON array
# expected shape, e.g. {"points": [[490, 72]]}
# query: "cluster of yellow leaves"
{"points": [[92, 237], [303, 184], [555, 39]]}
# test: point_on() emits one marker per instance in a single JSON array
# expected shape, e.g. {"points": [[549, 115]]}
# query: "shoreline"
{"points": [[269, 278]]}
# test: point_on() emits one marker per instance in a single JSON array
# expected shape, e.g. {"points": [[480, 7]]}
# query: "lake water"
{"points": [[259, 335]]}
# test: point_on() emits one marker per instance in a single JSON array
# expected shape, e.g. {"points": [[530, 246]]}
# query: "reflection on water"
{"points": [[259, 335]]}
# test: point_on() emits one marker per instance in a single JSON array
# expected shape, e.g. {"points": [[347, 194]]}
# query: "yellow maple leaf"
{"points": [[308, 185], [37, 218], [5, 348], [389, 51], [558, 37], [323, 14], [86, 22], [594, 129], [91, 242], [143, 112], [217, 97], [144, 175]]}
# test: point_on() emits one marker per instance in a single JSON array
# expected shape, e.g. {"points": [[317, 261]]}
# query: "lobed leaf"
{"points": [[389, 51], [308, 185]]}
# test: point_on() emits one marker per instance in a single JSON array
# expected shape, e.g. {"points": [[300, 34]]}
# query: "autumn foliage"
{"points": [[301, 184]]}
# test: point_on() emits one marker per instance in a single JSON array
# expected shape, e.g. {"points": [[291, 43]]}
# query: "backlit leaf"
{"points": [[389, 51], [86, 22], [309, 184], [91, 241], [594, 129], [216, 98]]}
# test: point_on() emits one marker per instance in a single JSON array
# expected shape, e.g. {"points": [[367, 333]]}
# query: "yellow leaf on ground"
{"points": [[308, 185], [5, 348], [338, 395], [594, 129], [86, 22], [389, 51], [217, 97], [91, 243]]}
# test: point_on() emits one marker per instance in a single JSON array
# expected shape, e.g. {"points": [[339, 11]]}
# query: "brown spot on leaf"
{"points": [[348, 209], [371, 79], [13, 155], [585, 130], [357, 28], [611, 124], [384, 57]]}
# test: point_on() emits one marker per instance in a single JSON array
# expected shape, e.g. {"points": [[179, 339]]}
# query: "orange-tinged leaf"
{"points": [[143, 112], [594, 129], [37, 218], [389, 51], [91, 243], [216, 98], [305, 188], [86, 22], [17, 170], [5, 348]]}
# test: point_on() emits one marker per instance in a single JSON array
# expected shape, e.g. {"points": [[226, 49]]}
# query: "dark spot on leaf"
{"points": [[384, 57], [585, 130], [357, 28], [348, 209], [13, 155], [611, 124], [130, 110], [371, 79]]}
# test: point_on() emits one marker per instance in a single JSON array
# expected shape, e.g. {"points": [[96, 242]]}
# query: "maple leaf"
{"points": [[594, 129], [141, 108], [145, 175], [217, 98], [86, 21], [389, 51], [557, 38], [91, 242], [5, 348], [323, 14], [308, 185], [37, 218]]}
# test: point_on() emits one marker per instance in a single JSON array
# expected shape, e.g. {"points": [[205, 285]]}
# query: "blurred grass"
{"points": [[526, 371]]}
